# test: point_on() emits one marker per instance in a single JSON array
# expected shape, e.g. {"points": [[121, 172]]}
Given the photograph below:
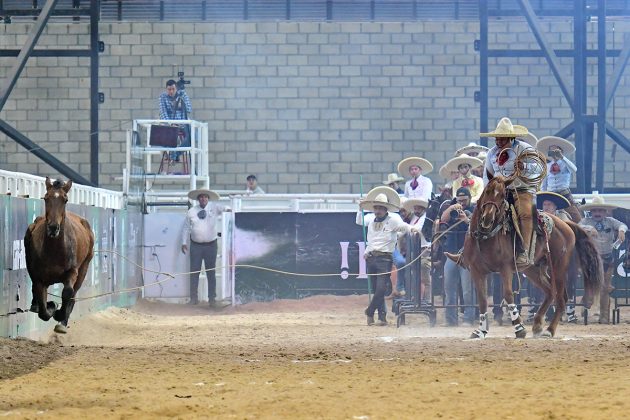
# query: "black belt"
{"points": [[202, 243], [379, 254]]}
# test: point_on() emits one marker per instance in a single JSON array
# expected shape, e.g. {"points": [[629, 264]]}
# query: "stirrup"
{"points": [[522, 260]]}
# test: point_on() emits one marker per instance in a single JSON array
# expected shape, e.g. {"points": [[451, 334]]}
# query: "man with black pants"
{"points": [[382, 234], [200, 228]]}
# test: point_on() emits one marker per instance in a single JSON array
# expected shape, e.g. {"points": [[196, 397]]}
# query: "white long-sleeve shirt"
{"points": [[423, 190], [382, 236], [561, 180], [492, 165], [418, 222], [201, 230]]}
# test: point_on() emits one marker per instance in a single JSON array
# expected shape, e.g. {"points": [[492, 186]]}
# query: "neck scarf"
{"points": [[414, 184], [380, 219]]}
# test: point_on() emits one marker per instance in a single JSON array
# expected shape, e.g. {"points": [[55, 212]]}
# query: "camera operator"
{"points": [[459, 211], [175, 105]]}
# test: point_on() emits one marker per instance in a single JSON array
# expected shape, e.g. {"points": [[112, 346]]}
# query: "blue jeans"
{"points": [[400, 261], [455, 275]]}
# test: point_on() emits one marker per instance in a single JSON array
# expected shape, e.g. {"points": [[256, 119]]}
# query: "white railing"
{"points": [[19, 184]]}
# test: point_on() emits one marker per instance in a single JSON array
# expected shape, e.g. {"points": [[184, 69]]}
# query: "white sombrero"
{"points": [[405, 164], [410, 202], [194, 194], [453, 164], [471, 148], [530, 139], [445, 172], [381, 196], [482, 157], [546, 142], [598, 202], [393, 177], [505, 128]]}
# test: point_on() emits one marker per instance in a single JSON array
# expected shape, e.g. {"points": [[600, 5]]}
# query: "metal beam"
{"points": [[36, 12], [94, 103], [35, 149], [48, 53], [615, 77], [618, 137], [565, 131], [602, 94], [503, 13], [517, 53], [37, 30], [483, 70], [549, 53], [582, 156]]}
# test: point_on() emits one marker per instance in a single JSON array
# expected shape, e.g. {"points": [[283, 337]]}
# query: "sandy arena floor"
{"points": [[313, 358]]}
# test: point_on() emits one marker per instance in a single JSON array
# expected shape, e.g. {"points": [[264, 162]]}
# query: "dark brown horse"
{"points": [[59, 248], [489, 247]]}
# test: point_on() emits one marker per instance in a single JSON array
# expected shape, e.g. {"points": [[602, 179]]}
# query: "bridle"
{"points": [[481, 233]]}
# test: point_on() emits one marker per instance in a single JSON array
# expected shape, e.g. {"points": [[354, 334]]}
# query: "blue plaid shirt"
{"points": [[167, 109]]}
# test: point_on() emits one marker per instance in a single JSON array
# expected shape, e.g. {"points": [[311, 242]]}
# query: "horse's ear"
{"points": [[432, 196], [489, 175], [67, 186], [48, 183]]}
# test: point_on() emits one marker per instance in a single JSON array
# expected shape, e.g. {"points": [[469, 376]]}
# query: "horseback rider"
{"points": [[501, 161]]}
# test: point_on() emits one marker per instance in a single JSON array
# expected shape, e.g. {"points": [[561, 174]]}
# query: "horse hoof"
{"points": [[536, 334], [521, 334], [546, 334], [61, 329]]}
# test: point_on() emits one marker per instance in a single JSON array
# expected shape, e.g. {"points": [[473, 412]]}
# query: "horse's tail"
{"points": [[592, 268]]}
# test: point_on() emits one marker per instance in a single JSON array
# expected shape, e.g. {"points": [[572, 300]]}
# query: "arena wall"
{"points": [[307, 106]]}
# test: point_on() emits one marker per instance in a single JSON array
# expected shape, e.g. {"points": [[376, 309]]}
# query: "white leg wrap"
{"points": [[482, 331], [519, 327], [570, 310], [513, 310]]}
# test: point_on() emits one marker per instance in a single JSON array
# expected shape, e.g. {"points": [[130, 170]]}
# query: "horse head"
{"points": [[55, 201], [492, 203]]}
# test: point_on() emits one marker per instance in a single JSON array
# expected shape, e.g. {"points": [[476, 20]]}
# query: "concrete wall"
{"points": [[308, 107]]}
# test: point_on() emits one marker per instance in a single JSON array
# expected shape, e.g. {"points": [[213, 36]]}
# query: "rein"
{"points": [[482, 233]]}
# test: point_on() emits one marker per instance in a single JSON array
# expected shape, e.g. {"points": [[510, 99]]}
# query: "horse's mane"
{"points": [[57, 184]]}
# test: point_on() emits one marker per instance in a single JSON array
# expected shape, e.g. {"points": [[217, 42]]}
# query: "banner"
{"points": [[301, 243]]}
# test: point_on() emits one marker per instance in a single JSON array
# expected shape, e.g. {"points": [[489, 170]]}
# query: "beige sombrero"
{"points": [[530, 139], [445, 172], [194, 194], [546, 142], [471, 148], [393, 177], [598, 202], [505, 128], [482, 157], [405, 164], [560, 201], [381, 196], [454, 163], [410, 202]]}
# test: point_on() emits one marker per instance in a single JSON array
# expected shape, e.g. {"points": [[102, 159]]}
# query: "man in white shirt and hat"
{"points": [[419, 186], [383, 226], [560, 170], [417, 207], [471, 149], [464, 163], [501, 160], [609, 231], [200, 229]]}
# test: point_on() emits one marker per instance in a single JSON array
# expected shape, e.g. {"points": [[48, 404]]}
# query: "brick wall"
{"points": [[308, 107]]}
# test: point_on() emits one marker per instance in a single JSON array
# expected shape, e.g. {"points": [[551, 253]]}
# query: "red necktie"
{"points": [[467, 182], [414, 184], [502, 158], [555, 168]]}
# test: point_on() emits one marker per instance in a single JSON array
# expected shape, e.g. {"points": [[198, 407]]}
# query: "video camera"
{"points": [[181, 83]]}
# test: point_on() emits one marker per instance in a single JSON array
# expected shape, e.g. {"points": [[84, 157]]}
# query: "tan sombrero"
{"points": [[471, 148], [393, 177], [410, 202], [505, 128], [482, 157], [445, 172], [560, 201], [454, 163], [381, 196], [546, 142], [405, 164], [598, 202], [530, 139], [194, 194]]}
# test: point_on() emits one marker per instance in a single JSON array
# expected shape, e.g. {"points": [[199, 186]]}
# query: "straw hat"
{"points": [[530, 139], [194, 194], [482, 157], [560, 201], [546, 142], [598, 202], [505, 128], [381, 196], [393, 177], [410, 202], [454, 163], [405, 164], [472, 147], [445, 172]]}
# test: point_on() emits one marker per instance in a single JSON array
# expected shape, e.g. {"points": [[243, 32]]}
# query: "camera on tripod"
{"points": [[181, 83]]}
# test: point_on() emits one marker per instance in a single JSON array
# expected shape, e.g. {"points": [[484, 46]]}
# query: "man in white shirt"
{"points": [[252, 185], [419, 186], [200, 229], [383, 227], [417, 208]]}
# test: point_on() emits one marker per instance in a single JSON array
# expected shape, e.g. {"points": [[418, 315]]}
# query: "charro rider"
{"points": [[501, 161]]}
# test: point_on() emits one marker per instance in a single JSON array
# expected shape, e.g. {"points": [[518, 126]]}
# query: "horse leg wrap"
{"points": [[513, 311], [518, 328], [482, 331]]}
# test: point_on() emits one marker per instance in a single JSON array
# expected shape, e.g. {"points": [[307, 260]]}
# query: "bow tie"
{"points": [[467, 182], [502, 158], [414, 184], [555, 168]]}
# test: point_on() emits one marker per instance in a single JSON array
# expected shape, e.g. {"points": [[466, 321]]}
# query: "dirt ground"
{"points": [[313, 358]]}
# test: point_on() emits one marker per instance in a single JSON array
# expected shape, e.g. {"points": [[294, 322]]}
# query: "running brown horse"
{"points": [[59, 248], [489, 247]]}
